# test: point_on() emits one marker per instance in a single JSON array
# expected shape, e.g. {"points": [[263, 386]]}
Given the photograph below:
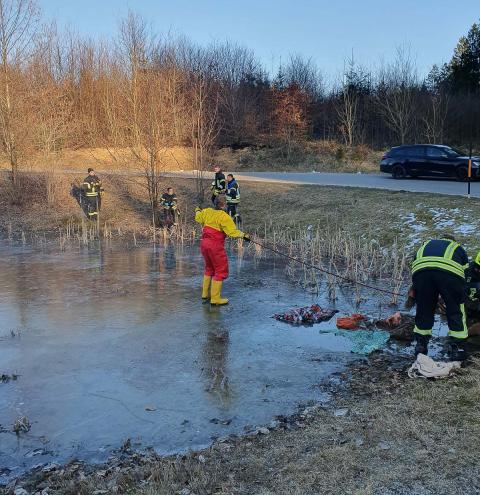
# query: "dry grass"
{"points": [[111, 160], [322, 156], [125, 210], [376, 216]]}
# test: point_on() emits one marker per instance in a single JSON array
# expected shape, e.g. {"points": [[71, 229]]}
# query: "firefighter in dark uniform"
{"points": [[219, 184], [233, 198], [169, 204], [439, 270], [472, 276], [92, 191]]}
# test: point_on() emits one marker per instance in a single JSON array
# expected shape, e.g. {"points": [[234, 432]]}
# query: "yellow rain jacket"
{"points": [[218, 220]]}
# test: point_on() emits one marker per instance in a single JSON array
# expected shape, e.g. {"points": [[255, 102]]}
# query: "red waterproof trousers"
{"points": [[212, 247]]}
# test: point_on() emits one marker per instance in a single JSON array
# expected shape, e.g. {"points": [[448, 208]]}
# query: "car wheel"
{"points": [[462, 174], [399, 172]]}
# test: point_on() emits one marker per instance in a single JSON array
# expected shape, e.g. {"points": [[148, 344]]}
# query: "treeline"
{"points": [[147, 93]]}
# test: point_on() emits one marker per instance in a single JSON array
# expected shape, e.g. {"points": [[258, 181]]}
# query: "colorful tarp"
{"points": [[308, 315], [364, 341]]}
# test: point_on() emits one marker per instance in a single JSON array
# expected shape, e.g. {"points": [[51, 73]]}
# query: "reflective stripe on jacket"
{"points": [[233, 192], [472, 277], [92, 186], [441, 254], [169, 200], [219, 184]]}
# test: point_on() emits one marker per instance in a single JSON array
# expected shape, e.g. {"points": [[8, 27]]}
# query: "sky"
{"points": [[327, 31]]}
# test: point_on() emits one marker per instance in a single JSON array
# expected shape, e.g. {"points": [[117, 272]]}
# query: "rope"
{"points": [[362, 270], [327, 272]]}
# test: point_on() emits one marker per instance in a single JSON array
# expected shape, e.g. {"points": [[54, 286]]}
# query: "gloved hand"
{"points": [[410, 302], [246, 238]]}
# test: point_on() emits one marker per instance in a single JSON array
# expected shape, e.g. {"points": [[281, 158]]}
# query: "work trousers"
{"points": [[93, 206], [170, 216], [212, 247], [232, 211], [428, 286]]}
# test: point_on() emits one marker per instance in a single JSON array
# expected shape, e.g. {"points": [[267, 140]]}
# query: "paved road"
{"points": [[376, 181], [372, 181]]}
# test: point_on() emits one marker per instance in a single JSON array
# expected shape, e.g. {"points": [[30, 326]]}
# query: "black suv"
{"points": [[428, 160]]}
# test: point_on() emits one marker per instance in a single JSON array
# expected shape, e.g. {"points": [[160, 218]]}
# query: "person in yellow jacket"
{"points": [[217, 225]]}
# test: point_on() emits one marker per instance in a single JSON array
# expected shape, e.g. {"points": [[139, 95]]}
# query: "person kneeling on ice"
{"points": [[217, 224]]}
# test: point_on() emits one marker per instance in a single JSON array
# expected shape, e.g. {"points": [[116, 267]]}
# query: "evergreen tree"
{"points": [[464, 68]]}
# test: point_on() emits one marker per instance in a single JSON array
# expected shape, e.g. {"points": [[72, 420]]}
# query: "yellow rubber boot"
{"points": [[206, 288], [216, 298]]}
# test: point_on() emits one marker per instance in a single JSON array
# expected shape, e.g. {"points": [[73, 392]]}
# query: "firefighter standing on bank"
{"points": [[439, 270], [169, 204], [233, 198], [219, 184], [217, 225], [92, 190]]}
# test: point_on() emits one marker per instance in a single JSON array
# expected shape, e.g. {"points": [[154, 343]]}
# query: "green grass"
{"points": [[376, 215]]}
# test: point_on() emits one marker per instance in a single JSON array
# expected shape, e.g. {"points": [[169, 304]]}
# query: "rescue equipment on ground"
{"points": [[350, 322], [426, 367], [364, 341]]}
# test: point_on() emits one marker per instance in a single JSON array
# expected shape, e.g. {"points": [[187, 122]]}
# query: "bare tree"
{"points": [[237, 73], [396, 91], [132, 114], [52, 119], [347, 114], [289, 117], [435, 115], [204, 127], [18, 20], [303, 73], [139, 115], [354, 88]]}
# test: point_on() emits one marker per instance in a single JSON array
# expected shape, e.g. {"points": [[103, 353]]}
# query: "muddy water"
{"points": [[111, 344]]}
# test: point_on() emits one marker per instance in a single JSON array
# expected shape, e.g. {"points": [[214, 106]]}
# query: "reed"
{"points": [[350, 258]]}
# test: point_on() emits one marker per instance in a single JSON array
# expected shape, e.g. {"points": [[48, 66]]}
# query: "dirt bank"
{"points": [[382, 433], [125, 206], [322, 156], [385, 217]]}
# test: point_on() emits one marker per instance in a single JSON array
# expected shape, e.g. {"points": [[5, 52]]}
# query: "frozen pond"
{"points": [[111, 344]]}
